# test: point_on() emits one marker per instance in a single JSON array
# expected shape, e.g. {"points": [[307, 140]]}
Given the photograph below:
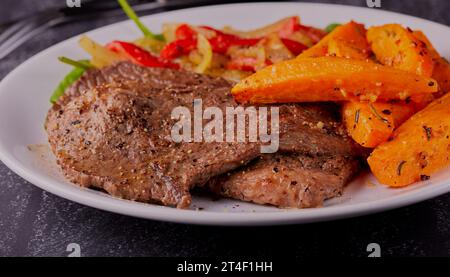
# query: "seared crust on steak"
{"points": [[155, 78]]}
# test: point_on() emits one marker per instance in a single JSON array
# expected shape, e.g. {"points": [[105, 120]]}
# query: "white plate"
{"points": [[24, 95]]}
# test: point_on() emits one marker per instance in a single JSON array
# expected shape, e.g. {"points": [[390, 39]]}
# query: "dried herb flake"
{"points": [[400, 167], [357, 116], [428, 132], [377, 115]]}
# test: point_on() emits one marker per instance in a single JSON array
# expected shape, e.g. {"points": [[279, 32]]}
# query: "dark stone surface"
{"points": [[36, 223]]}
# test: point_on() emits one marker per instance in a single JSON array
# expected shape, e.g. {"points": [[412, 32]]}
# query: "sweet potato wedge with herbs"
{"points": [[331, 79], [441, 72], [371, 124], [396, 46], [348, 38], [419, 148]]}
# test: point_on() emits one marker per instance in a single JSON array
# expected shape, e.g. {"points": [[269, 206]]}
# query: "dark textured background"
{"points": [[36, 223]]}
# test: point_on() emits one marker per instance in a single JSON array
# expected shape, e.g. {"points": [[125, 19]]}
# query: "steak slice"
{"points": [[117, 137], [315, 129], [287, 181], [112, 130]]}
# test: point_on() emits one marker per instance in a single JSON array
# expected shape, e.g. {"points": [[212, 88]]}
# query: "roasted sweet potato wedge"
{"points": [[348, 38], [371, 124], [419, 148], [331, 79], [397, 46], [345, 49], [441, 72]]}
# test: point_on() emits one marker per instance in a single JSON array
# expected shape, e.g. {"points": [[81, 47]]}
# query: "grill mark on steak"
{"points": [[112, 127]]}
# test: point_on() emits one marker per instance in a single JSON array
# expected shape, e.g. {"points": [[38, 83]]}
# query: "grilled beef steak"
{"points": [[112, 130]]}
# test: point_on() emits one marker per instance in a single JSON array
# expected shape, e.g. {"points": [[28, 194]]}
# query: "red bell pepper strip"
{"points": [[185, 42], [222, 41], [178, 48], [295, 47], [184, 31], [138, 55]]}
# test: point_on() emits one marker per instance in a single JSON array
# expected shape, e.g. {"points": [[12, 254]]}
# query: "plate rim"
{"points": [[161, 213]]}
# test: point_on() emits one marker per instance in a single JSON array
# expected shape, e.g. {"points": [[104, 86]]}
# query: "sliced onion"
{"points": [[260, 32], [101, 56], [205, 50]]}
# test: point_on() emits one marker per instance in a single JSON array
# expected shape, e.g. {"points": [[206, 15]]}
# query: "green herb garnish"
{"points": [[330, 28], [79, 68], [133, 16], [80, 64]]}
